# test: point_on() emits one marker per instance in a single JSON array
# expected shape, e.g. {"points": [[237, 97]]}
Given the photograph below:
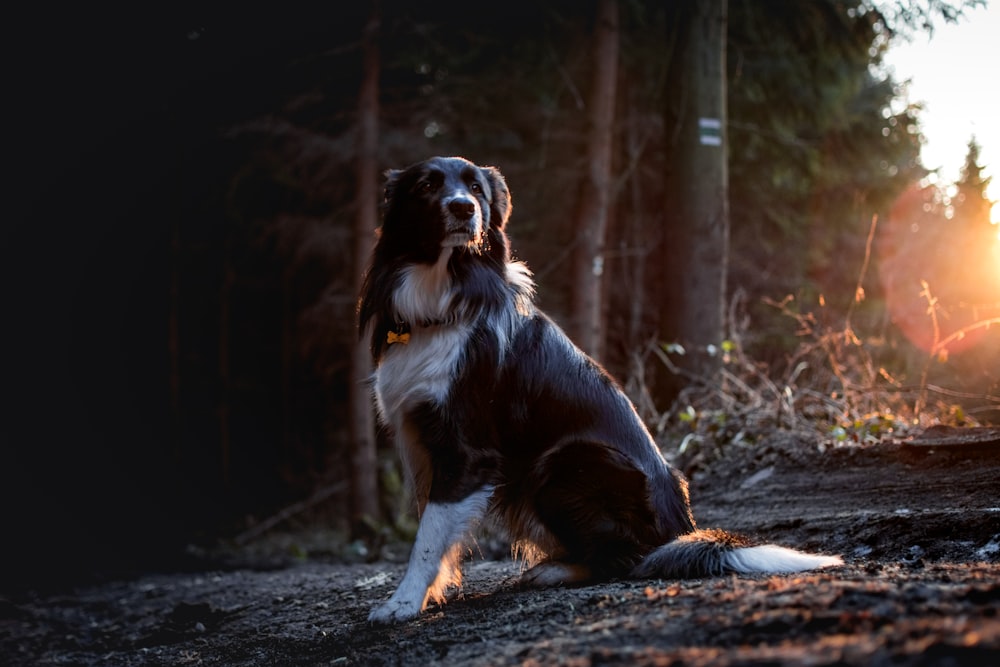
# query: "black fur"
{"points": [[575, 476]]}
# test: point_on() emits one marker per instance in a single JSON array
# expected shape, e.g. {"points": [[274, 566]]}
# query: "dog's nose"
{"points": [[461, 209]]}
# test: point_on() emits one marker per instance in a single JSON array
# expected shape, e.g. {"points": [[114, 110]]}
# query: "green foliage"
{"points": [[868, 429], [817, 143]]}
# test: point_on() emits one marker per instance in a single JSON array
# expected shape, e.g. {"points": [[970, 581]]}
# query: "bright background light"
{"points": [[955, 74]]}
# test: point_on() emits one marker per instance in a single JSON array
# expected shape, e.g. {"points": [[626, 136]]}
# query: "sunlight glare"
{"points": [[958, 268], [996, 259]]}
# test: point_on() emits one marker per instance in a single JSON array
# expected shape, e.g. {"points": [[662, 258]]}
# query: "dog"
{"points": [[496, 413]]}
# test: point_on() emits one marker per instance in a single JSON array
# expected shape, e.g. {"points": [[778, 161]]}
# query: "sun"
{"points": [[940, 274]]}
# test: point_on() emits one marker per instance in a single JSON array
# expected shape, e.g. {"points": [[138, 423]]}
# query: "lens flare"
{"points": [[940, 273]]}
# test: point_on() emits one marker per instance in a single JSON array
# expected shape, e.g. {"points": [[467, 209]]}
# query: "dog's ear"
{"points": [[500, 202], [391, 179]]}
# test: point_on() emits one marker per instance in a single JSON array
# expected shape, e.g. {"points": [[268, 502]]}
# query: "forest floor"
{"points": [[918, 527]]}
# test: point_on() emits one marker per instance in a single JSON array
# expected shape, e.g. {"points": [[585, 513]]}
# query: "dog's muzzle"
{"points": [[463, 221]]}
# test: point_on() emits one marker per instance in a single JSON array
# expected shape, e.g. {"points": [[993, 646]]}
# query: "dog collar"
{"points": [[394, 337], [401, 334]]}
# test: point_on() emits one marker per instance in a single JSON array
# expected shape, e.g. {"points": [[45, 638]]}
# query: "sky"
{"points": [[955, 74]]}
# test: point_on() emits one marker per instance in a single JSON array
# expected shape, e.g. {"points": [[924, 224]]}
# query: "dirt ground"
{"points": [[919, 529]]}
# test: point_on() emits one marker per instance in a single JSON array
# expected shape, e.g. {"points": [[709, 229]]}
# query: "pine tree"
{"points": [[972, 204], [698, 195], [975, 238]]}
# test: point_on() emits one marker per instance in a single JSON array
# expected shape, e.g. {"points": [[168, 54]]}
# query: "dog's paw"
{"points": [[394, 611], [554, 573]]}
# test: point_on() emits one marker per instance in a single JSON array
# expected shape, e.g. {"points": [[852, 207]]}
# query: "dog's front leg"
{"points": [[434, 561]]}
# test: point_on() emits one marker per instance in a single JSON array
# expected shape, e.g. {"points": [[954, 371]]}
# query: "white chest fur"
{"points": [[421, 370], [424, 292]]}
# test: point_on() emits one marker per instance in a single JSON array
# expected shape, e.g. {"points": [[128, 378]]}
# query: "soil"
{"points": [[918, 526]]}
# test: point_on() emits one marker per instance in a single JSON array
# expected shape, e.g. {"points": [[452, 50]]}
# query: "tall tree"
{"points": [[698, 218], [364, 469], [594, 204]]}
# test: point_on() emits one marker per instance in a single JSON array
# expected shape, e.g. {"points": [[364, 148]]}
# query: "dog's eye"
{"points": [[476, 187]]}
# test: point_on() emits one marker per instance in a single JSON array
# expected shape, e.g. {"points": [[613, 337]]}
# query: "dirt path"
{"points": [[920, 532]]}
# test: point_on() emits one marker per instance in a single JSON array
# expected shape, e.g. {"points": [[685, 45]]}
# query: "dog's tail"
{"points": [[705, 553]]}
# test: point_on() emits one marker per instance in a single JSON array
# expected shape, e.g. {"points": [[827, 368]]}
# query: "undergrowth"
{"points": [[837, 387], [831, 391]]}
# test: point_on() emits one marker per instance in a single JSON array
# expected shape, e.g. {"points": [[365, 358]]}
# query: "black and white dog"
{"points": [[496, 413]]}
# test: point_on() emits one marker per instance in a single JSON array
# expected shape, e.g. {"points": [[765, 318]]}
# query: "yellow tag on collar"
{"points": [[394, 337]]}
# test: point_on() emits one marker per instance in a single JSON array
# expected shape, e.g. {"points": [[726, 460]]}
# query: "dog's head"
{"points": [[450, 214], [445, 202]]}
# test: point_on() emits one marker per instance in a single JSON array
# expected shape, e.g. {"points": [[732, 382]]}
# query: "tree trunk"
{"points": [[697, 239], [594, 203], [364, 468]]}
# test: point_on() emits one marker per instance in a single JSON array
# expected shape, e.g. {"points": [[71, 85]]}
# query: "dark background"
{"points": [[117, 117]]}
